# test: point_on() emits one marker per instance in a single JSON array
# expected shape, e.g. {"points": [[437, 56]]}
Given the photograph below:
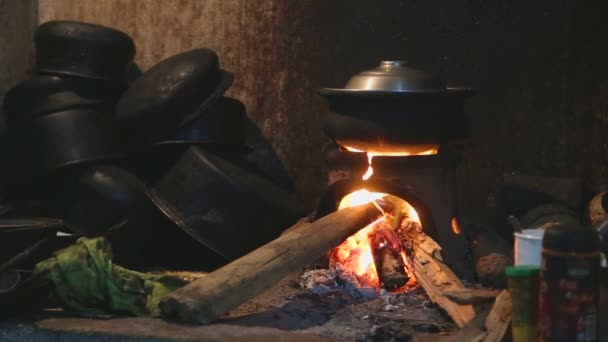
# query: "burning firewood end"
{"points": [[379, 256]]}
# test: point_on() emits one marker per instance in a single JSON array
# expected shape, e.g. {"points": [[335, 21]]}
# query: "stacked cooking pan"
{"points": [[165, 165]]}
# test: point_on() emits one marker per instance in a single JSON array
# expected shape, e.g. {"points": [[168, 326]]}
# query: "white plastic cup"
{"points": [[528, 246]]}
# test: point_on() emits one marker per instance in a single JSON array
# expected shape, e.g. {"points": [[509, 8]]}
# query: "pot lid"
{"points": [[394, 77]]}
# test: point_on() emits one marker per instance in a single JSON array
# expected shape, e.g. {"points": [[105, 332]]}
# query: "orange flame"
{"points": [[371, 154], [456, 226], [355, 253]]}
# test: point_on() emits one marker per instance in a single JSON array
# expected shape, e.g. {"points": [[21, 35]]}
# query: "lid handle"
{"points": [[393, 64]]}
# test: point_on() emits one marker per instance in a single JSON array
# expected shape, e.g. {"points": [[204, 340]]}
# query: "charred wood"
{"points": [[386, 249]]}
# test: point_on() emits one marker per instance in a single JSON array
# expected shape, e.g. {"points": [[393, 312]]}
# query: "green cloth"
{"points": [[85, 280]]}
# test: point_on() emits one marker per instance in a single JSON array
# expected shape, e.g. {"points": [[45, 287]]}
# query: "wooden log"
{"points": [[597, 209], [390, 268], [386, 250], [437, 279], [218, 292], [472, 297], [489, 325], [498, 319]]}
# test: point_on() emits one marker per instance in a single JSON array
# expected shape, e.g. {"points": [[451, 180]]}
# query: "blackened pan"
{"points": [[93, 199], [150, 239], [43, 94], [19, 234], [222, 204], [172, 94], [81, 49], [221, 124], [64, 138]]}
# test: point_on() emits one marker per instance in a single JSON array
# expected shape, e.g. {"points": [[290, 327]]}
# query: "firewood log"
{"points": [[386, 250], [436, 278], [597, 209], [208, 298], [473, 297]]}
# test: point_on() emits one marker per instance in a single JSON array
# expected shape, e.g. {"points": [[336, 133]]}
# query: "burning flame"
{"points": [[371, 154], [355, 253]]}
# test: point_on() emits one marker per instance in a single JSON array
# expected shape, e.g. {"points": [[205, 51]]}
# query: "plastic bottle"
{"points": [[569, 284]]}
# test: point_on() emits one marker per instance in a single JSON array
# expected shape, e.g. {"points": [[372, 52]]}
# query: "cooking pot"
{"points": [[393, 107], [221, 124], [148, 238], [93, 199], [43, 94], [222, 204], [172, 94], [64, 138], [80, 49]]}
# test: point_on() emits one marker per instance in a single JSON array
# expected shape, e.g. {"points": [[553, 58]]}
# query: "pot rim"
{"points": [[18, 225], [450, 91], [226, 80]]}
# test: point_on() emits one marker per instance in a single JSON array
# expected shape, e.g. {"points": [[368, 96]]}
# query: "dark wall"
{"points": [[539, 68]]}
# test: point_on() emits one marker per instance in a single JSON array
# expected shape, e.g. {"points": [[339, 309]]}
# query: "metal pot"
{"points": [[43, 94], [395, 106], [221, 204], [94, 199], [172, 94], [81, 49], [64, 138], [150, 239], [221, 124]]}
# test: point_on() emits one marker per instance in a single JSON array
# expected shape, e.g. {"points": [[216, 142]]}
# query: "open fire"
{"points": [[376, 255]]}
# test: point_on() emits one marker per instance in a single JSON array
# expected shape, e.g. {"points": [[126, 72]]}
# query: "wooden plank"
{"points": [[208, 298], [498, 319], [472, 296], [437, 279]]}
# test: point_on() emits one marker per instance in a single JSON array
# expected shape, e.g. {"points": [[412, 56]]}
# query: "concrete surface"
{"points": [[140, 329]]}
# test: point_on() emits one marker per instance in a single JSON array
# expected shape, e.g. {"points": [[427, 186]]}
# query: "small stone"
{"points": [[427, 328], [490, 270], [390, 307], [366, 317], [367, 292], [384, 293]]}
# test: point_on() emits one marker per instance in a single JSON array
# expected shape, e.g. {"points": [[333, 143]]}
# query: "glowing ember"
{"points": [[456, 226], [356, 254]]}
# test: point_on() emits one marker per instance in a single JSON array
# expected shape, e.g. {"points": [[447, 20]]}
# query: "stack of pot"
{"points": [[63, 114], [160, 161]]}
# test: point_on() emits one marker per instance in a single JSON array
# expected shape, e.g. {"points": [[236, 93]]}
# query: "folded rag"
{"points": [[85, 280]]}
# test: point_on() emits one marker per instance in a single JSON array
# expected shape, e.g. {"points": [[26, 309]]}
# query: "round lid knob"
{"points": [[395, 76]]}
